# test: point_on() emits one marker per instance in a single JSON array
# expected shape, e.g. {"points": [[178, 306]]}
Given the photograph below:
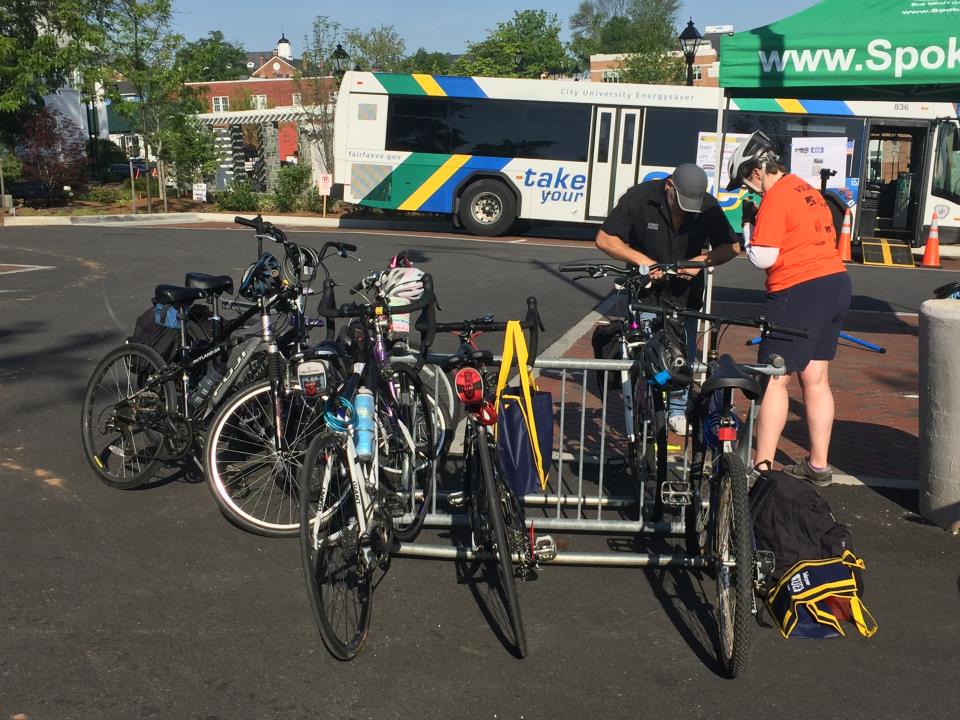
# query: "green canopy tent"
{"points": [[857, 49]]}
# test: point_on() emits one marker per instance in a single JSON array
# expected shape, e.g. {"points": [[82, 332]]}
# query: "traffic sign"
{"points": [[324, 183]]}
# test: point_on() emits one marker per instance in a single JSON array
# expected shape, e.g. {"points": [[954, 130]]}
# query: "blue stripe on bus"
{"points": [[459, 86], [827, 107], [442, 200]]}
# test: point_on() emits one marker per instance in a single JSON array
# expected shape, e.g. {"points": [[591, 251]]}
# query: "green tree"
{"points": [[380, 48], [42, 42], [212, 58], [317, 85], [432, 63], [525, 46], [191, 148]]}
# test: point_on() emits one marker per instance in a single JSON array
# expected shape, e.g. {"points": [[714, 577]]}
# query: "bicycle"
{"points": [[365, 477], [499, 535], [644, 403], [717, 517]]}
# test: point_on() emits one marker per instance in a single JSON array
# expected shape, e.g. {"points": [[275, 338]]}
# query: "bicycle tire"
{"points": [[488, 501], [733, 537], [327, 555], [139, 361], [649, 459], [414, 410], [234, 454]]}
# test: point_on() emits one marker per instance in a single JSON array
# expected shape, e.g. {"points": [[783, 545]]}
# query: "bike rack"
{"points": [[587, 434]]}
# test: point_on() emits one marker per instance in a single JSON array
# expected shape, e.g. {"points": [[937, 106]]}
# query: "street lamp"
{"points": [[339, 59], [689, 42]]}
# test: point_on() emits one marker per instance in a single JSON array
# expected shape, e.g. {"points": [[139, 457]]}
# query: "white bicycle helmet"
{"points": [[758, 149], [401, 285]]}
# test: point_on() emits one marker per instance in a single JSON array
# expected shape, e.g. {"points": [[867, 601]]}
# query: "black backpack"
{"points": [[158, 328], [792, 521]]}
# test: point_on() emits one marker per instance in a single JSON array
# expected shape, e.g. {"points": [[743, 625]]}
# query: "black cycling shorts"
{"points": [[820, 306]]}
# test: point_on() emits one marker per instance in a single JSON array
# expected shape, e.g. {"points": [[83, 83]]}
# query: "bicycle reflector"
{"points": [[469, 384]]}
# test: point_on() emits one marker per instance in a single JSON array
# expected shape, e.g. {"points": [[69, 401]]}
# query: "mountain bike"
{"points": [[717, 517], [644, 403], [365, 479]]}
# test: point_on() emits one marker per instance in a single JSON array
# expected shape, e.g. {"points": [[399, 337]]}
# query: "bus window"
{"points": [[670, 135], [418, 124], [556, 131], [946, 169], [485, 127], [603, 141], [629, 130]]}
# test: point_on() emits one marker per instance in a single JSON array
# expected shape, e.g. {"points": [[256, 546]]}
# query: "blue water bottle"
{"points": [[363, 404]]}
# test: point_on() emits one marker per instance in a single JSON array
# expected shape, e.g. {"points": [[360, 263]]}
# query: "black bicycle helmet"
{"points": [[664, 362], [261, 278], [758, 149]]}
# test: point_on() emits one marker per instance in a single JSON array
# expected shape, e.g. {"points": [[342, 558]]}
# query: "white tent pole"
{"points": [[723, 105]]}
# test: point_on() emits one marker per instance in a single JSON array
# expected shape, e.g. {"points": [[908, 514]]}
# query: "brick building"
{"points": [[706, 64]]}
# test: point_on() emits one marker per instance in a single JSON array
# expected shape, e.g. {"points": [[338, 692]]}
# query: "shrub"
{"points": [[267, 203], [312, 201], [292, 182], [105, 195], [239, 197]]}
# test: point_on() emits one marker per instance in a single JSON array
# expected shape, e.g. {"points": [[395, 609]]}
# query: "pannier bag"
{"points": [[158, 328], [815, 596], [525, 420]]}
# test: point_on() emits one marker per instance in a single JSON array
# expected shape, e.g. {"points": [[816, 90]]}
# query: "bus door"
{"points": [[895, 173], [614, 147], [944, 196]]}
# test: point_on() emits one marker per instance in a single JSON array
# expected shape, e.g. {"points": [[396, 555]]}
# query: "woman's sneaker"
{"points": [[803, 470]]}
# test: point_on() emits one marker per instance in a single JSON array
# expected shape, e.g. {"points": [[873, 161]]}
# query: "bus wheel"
{"points": [[488, 207]]}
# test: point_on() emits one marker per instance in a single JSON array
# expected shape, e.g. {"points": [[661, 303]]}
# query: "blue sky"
{"points": [[435, 25]]}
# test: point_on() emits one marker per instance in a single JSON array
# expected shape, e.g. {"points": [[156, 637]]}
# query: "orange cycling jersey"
{"points": [[795, 218]]}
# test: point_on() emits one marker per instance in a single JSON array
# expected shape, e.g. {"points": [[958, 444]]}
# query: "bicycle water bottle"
{"points": [[366, 431], [205, 387]]}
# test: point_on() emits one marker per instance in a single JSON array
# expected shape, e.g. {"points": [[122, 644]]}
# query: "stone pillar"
{"points": [[940, 412], [270, 152]]}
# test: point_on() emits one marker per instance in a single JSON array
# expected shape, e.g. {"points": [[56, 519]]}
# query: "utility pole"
{"points": [[133, 189]]}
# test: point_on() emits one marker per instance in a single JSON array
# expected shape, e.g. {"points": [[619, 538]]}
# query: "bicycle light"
{"points": [[469, 384], [312, 375]]}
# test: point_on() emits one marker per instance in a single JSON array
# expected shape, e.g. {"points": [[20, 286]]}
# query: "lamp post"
{"points": [[339, 60], [689, 42]]}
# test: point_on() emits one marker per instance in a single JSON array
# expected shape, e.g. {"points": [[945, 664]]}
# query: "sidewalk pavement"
{"points": [[875, 435]]}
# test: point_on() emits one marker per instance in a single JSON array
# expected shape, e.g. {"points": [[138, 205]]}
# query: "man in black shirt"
{"points": [[665, 221]]}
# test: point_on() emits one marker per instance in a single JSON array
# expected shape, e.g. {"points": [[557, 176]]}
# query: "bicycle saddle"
{"points": [[725, 373], [176, 295], [216, 284]]}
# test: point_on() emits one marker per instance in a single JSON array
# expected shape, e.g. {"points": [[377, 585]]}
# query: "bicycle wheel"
{"points": [[407, 448], [254, 482], [648, 454], [734, 564], [440, 393], [338, 582], [124, 419], [489, 491]]}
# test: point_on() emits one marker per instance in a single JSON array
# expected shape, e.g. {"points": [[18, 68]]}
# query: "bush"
{"points": [[312, 201], [267, 203], [292, 182], [105, 195], [239, 197]]}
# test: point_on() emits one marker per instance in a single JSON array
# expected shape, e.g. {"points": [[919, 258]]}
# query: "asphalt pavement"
{"points": [[148, 604]]}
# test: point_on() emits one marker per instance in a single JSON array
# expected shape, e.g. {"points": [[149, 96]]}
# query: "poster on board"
{"points": [[707, 152], [810, 155]]}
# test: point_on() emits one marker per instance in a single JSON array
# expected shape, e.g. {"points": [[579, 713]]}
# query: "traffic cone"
{"points": [[931, 253], [843, 247]]}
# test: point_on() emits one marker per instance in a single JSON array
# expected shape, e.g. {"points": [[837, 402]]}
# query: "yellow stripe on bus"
{"points": [[792, 106], [433, 183], [429, 85]]}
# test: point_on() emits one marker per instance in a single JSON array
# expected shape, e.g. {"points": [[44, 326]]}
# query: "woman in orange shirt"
{"points": [[794, 241]]}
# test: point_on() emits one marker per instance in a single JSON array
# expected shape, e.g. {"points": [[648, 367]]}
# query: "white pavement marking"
{"points": [[571, 336], [24, 268]]}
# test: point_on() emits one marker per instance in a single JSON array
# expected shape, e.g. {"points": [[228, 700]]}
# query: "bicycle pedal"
{"points": [[676, 492], [457, 499], [545, 549]]}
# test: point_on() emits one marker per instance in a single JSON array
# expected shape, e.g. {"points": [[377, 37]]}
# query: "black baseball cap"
{"points": [[691, 183]]}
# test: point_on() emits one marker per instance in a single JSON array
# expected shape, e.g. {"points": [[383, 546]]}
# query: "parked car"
{"points": [[117, 172], [31, 192]]}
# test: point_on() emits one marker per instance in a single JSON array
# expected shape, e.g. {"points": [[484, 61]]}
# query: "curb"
{"points": [[386, 223]]}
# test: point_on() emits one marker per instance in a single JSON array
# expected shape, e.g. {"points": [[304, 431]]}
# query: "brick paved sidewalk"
{"points": [[875, 434]]}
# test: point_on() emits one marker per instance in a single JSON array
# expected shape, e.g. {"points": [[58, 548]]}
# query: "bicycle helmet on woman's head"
{"points": [[756, 151], [664, 362], [401, 285]]}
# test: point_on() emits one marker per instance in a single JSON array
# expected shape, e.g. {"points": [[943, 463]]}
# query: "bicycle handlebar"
{"points": [[329, 310], [598, 270], [765, 326], [531, 323]]}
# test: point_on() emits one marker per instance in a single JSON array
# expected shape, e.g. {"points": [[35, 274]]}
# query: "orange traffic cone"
{"points": [[931, 253], [843, 247]]}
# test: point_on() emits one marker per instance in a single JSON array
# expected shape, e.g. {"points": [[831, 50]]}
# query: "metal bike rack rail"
{"points": [[571, 502]]}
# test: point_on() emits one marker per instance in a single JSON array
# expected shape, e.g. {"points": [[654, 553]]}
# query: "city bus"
{"points": [[490, 152]]}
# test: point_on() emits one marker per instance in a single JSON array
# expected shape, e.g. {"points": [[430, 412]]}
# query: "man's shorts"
{"points": [[819, 306]]}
